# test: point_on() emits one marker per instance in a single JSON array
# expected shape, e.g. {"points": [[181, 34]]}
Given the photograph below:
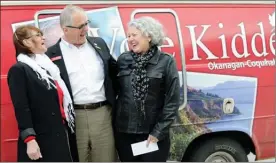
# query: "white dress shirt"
{"points": [[86, 72]]}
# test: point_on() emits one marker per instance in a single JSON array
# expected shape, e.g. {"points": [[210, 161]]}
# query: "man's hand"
{"points": [[33, 150], [151, 139]]}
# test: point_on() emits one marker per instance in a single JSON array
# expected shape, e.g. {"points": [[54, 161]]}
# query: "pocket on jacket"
{"points": [[124, 79], [155, 81]]}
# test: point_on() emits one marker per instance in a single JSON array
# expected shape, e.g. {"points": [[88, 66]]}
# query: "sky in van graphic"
{"points": [[106, 19]]}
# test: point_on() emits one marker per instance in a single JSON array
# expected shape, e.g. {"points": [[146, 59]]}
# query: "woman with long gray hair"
{"points": [[148, 97]]}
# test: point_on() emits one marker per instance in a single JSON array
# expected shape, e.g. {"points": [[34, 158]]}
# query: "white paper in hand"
{"points": [[141, 148]]}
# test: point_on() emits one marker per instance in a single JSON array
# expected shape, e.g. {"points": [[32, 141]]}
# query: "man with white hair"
{"points": [[88, 71]]}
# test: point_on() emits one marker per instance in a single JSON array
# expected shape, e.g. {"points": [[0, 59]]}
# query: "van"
{"points": [[225, 54]]}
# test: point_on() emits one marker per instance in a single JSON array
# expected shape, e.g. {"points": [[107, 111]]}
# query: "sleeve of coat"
{"points": [[112, 68], [18, 91], [112, 72], [171, 104]]}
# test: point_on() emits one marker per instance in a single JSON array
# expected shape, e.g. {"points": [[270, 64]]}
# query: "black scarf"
{"points": [[140, 81]]}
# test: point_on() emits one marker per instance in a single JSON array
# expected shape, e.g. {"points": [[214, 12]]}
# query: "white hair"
{"points": [[66, 14], [151, 28]]}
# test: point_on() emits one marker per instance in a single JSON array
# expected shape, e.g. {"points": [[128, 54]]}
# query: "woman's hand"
{"points": [[151, 139], [33, 150]]}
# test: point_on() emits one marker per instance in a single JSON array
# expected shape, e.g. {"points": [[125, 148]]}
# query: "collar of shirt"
{"points": [[69, 45]]}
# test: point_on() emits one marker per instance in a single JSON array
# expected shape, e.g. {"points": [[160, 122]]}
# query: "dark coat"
{"points": [[37, 111], [162, 100], [110, 72]]}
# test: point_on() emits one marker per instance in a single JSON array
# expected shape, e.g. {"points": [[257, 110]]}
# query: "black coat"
{"points": [[110, 72], [162, 100], [37, 111]]}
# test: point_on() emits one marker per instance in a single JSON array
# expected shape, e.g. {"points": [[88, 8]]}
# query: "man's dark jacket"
{"points": [[54, 53]]}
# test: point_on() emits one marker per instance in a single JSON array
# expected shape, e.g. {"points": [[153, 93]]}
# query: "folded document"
{"points": [[141, 148]]}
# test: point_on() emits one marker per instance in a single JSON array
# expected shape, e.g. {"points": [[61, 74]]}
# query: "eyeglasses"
{"points": [[37, 35], [79, 27]]}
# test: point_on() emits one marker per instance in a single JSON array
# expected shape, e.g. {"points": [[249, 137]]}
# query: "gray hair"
{"points": [[66, 14], [150, 27]]}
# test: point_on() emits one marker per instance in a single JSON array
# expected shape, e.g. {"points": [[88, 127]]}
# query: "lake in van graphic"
{"points": [[204, 112], [104, 23]]}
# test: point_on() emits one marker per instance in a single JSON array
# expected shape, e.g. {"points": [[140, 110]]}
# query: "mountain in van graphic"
{"points": [[271, 19]]}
